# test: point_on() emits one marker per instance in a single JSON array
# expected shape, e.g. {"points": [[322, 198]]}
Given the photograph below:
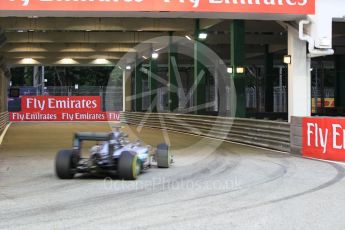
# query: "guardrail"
{"points": [[261, 133], [4, 119]]}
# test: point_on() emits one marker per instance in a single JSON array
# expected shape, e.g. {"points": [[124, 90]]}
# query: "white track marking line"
{"points": [[4, 132]]}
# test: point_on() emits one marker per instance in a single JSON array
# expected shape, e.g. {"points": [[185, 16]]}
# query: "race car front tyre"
{"points": [[65, 164], [128, 167], [163, 156]]}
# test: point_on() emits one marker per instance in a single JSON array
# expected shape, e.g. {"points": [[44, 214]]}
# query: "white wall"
{"points": [[333, 8], [326, 12]]}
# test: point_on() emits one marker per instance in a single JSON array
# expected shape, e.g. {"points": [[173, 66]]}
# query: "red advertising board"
{"points": [[62, 108], [324, 138], [235, 6]]}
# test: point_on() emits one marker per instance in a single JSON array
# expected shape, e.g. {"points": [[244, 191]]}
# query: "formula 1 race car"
{"points": [[113, 154]]}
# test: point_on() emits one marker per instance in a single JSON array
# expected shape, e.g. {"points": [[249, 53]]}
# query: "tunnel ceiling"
{"points": [[48, 40]]}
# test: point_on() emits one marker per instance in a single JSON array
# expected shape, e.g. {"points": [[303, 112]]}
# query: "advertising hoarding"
{"points": [[62, 108], [324, 138], [230, 6]]}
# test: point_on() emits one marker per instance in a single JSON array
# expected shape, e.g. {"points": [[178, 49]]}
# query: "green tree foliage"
{"points": [[22, 76]]}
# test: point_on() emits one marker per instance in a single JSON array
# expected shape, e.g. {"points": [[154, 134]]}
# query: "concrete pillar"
{"points": [[269, 80], [126, 91], [138, 87], [153, 85], [237, 51], [299, 80], [199, 73], [172, 67], [340, 81]]}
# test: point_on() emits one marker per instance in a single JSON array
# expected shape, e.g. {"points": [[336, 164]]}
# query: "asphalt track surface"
{"points": [[211, 185]]}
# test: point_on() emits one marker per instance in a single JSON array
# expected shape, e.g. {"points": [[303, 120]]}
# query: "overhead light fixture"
{"points": [[45, 80], [128, 67], [229, 70], [145, 57], [240, 70], [67, 61], [76, 86], [287, 59], [20, 31], [202, 35], [101, 61], [155, 55], [189, 38], [28, 61]]}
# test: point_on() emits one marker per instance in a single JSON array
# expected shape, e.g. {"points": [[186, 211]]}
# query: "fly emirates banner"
{"points": [[220, 6], [324, 138], [61, 108]]}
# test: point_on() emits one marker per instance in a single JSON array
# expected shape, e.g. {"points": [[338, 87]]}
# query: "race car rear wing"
{"points": [[89, 136]]}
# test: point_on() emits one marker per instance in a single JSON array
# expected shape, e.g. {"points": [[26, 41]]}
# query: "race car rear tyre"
{"points": [[65, 164], [128, 167], [163, 156]]}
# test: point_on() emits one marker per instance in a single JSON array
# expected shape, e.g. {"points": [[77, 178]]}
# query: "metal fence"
{"points": [[280, 97], [328, 92], [280, 100], [256, 99], [4, 119]]}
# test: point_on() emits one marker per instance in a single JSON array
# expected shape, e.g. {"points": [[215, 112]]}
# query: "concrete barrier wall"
{"points": [[3, 91], [296, 135], [4, 117], [260, 133]]}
